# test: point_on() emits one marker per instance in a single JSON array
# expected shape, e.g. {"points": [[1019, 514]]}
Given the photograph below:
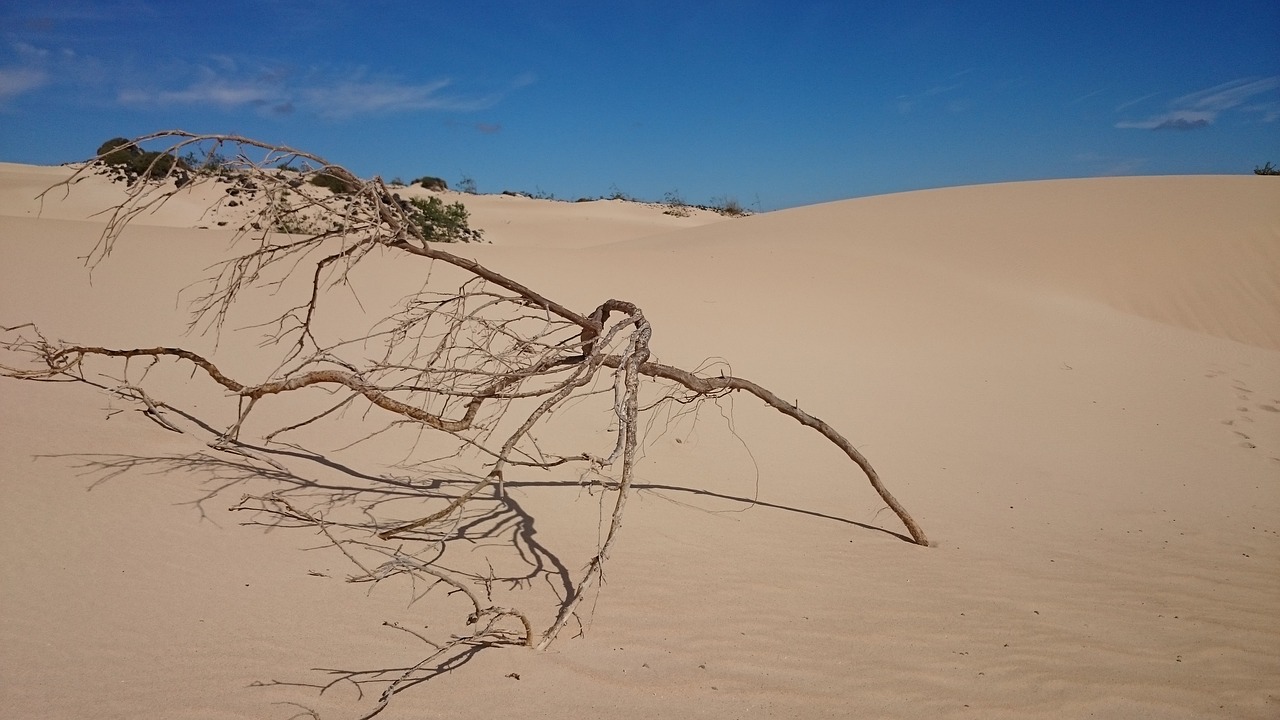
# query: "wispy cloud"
{"points": [[29, 73], [909, 103], [943, 93], [1136, 101], [16, 81], [218, 93], [1084, 97], [348, 98], [1202, 108], [1228, 95], [230, 84], [271, 92]]}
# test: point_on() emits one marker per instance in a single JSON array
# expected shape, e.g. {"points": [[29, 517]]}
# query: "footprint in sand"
{"points": [[1243, 393]]}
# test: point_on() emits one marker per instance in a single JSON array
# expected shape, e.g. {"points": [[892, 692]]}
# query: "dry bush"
{"points": [[480, 363]]}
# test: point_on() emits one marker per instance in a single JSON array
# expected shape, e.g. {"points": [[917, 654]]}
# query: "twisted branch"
{"points": [[491, 358]]}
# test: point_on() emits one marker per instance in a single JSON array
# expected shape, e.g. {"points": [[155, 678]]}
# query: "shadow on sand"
{"points": [[291, 487]]}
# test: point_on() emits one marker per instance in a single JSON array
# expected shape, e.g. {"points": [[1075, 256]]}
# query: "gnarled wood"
{"points": [[486, 362]]}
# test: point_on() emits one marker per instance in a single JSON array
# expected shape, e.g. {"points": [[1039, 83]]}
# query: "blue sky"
{"points": [[775, 104]]}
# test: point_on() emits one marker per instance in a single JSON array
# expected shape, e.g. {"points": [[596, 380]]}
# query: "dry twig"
{"points": [[484, 362]]}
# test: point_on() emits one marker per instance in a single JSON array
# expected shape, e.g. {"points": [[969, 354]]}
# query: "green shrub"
{"points": [[339, 186], [130, 159], [440, 222], [156, 164], [432, 183], [118, 151]]}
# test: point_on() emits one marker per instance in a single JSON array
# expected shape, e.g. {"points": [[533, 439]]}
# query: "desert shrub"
{"points": [[728, 206], [118, 151], [210, 162], [432, 183], [511, 356], [332, 182], [467, 185], [1267, 169], [121, 154], [676, 206], [294, 224], [440, 222], [156, 164]]}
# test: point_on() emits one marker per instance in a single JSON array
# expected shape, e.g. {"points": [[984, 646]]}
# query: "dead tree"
{"points": [[485, 361]]}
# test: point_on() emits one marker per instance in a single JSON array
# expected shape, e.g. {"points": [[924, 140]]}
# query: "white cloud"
{"points": [[229, 87], [909, 103], [1135, 101], [359, 97], [1227, 95], [233, 83], [220, 93], [1202, 108], [15, 81]]}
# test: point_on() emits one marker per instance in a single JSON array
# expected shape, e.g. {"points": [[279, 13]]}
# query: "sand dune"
{"points": [[1073, 385]]}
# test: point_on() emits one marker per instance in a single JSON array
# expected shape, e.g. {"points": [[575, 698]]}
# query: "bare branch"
{"points": [[483, 362]]}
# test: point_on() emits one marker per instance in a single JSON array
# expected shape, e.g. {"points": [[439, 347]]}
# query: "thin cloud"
{"points": [[1270, 112], [910, 102], [1202, 108], [219, 93], [349, 98], [1084, 97], [16, 81], [268, 91], [230, 84], [1136, 101], [524, 79], [1228, 95], [31, 72]]}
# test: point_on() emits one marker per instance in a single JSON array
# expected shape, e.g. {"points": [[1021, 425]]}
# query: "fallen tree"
{"points": [[485, 361]]}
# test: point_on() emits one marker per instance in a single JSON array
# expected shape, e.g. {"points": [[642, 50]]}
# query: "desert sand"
{"points": [[1073, 385]]}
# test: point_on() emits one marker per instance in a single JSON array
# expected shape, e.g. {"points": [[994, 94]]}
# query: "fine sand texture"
{"points": [[1074, 386]]}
